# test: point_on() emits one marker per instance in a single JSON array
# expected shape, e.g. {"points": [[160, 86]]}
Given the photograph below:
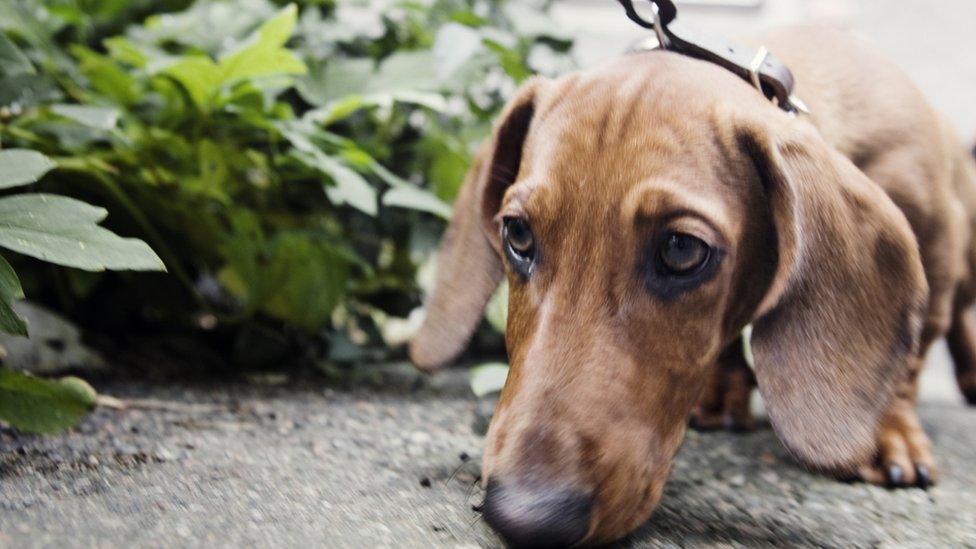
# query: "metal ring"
{"points": [[665, 8], [659, 28], [756, 65]]}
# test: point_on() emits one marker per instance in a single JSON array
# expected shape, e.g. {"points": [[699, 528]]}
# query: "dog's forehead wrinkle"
{"points": [[614, 107], [592, 178]]}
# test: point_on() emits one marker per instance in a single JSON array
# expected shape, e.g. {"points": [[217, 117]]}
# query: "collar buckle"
{"points": [[758, 67]]}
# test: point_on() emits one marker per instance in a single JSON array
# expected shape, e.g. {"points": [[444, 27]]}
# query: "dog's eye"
{"points": [[519, 243], [676, 262], [519, 237], [682, 254]]}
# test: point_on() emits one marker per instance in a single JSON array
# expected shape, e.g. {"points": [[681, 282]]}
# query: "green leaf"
{"points": [[198, 75], [403, 194], [454, 46], [43, 406], [10, 290], [206, 26], [431, 100], [101, 118], [510, 60], [277, 30], [469, 18], [408, 77], [63, 230], [450, 163], [336, 110], [264, 54], [28, 90], [415, 198], [488, 378], [531, 21], [497, 310], [12, 60], [107, 76], [406, 71], [336, 80], [22, 166], [307, 278], [349, 187], [259, 63], [295, 276], [122, 49]]}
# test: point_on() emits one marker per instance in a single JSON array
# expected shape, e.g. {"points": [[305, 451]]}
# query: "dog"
{"points": [[644, 213]]}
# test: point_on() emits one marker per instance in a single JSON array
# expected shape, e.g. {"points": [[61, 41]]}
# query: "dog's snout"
{"points": [[537, 516]]}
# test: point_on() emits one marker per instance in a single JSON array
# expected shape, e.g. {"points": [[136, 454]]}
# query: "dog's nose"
{"points": [[537, 516]]}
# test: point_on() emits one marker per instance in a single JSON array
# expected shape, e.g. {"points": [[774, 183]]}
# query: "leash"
{"points": [[758, 67]]}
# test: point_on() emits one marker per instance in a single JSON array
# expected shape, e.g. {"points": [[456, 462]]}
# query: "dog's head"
{"points": [[644, 213]]}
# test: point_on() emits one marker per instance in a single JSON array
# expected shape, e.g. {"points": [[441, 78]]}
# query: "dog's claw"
{"points": [[924, 478], [904, 454], [896, 476]]}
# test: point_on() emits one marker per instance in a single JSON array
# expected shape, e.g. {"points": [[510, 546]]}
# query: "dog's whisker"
{"points": [[465, 460], [467, 495]]}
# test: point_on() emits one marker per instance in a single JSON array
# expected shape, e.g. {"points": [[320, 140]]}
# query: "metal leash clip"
{"points": [[758, 67]]}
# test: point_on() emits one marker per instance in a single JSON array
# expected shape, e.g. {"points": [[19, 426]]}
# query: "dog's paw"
{"points": [[728, 410], [904, 458], [736, 421], [725, 401]]}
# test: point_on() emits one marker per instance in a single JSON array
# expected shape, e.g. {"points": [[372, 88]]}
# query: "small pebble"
{"points": [[419, 437]]}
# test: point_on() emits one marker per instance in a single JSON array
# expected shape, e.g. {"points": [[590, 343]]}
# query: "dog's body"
{"points": [[645, 212], [870, 111]]}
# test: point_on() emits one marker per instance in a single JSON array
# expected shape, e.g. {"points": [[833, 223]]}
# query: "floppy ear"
{"points": [[841, 321], [469, 265]]}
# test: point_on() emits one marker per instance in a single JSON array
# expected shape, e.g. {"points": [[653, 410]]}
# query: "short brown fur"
{"points": [[847, 242]]}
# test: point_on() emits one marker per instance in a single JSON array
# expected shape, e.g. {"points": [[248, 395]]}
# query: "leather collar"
{"points": [[758, 67]]}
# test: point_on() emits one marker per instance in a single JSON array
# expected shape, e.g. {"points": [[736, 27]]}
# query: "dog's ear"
{"points": [[469, 266], [840, 324]]}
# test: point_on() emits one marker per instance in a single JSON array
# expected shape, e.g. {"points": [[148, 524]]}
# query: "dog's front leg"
{"points": [[724, 403]]}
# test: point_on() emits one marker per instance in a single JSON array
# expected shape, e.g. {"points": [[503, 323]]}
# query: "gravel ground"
{"points": [[304, 463]]}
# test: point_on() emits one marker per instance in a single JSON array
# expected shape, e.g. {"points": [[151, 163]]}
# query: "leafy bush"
{"points": [[292, 165], [59, 230]]}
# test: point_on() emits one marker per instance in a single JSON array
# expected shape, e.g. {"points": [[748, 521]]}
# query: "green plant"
{"points": [[63, 231], [292, 165], [41, 405]]}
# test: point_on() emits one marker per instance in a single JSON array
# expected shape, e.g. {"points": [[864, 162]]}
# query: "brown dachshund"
{"points": [[645, 212]]}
